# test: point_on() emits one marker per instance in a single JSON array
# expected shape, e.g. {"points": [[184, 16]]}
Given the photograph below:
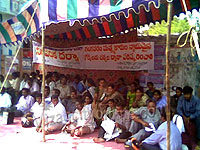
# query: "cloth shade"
{"points": [[87, 18]]}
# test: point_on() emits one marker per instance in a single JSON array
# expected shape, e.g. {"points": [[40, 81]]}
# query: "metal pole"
{"points": [[43, 85], [169, 17]]}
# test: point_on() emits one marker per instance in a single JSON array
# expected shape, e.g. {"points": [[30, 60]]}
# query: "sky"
{"points": [[195, 16]]}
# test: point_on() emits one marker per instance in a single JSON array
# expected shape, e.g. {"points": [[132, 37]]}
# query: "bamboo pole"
{"points": [[43, 85], [20, 62], [169, 17]]}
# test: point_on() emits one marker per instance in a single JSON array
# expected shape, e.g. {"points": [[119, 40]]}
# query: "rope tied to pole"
{"points": [[191, 33], [189, 37]]}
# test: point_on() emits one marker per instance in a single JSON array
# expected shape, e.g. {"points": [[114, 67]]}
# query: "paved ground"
{"points": [[15, 137]]}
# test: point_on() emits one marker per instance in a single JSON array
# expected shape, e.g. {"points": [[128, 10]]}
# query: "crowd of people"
{"points": [[126, 113]]}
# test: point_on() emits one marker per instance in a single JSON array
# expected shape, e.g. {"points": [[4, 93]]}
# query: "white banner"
{"points": [[125, 56]]}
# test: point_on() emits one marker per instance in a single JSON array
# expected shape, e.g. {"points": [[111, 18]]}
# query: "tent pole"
{"points": [[43, 85], [20, 62], [169, 17]]}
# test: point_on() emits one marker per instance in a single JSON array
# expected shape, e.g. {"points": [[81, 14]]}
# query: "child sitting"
{"points": [[111, 108]]}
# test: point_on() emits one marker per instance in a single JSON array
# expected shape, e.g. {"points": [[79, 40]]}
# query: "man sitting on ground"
{"points": [[64, 88], [56, 116], [82, 121], [158, 140], [5, 99], [56, 92], [189, 108], [33, 117], [142, 119], [70, 104], [25, 103], [122, 119]]}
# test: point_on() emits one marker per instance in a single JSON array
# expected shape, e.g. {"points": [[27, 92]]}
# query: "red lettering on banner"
{"points": [[46, 53], [93, 48], [62, 55], [53, 54], [104, 58], [68, 56], [140, 46], [115, 57], [65, 56], [108, 48], [124, 55], [144, 56], [121, 47], [75, 57], [129, 57], [91, 58], [38, 51]]}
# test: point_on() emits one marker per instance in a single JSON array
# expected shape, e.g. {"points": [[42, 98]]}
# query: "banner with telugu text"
{"points": [[124, 56]]}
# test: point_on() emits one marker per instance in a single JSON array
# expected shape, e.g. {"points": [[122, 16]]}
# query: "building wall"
{"points": [[184, 68]]}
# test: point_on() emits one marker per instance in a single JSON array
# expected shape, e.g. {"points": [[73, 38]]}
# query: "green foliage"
{"points": [[178, 26]]}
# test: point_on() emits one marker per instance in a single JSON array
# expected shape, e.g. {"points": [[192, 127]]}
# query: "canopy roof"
{"points": [[81, 19]]}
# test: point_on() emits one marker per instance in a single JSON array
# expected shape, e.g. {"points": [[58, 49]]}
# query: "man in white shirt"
{"points": [[34, 116], [55, 92], [64, 88], [82, 122], [32, 86], [5, 99], [56, 115], [25, 77], [25, 103], [15, 82]]}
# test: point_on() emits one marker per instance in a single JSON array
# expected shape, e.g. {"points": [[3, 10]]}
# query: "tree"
{"points": [[178, 26]]}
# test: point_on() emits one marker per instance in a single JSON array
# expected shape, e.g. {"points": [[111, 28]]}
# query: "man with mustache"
{"points": [[143, 117]]}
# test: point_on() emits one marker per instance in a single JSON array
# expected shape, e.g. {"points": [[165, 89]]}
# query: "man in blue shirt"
{"points": [[158, 140], [189, 108]]}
